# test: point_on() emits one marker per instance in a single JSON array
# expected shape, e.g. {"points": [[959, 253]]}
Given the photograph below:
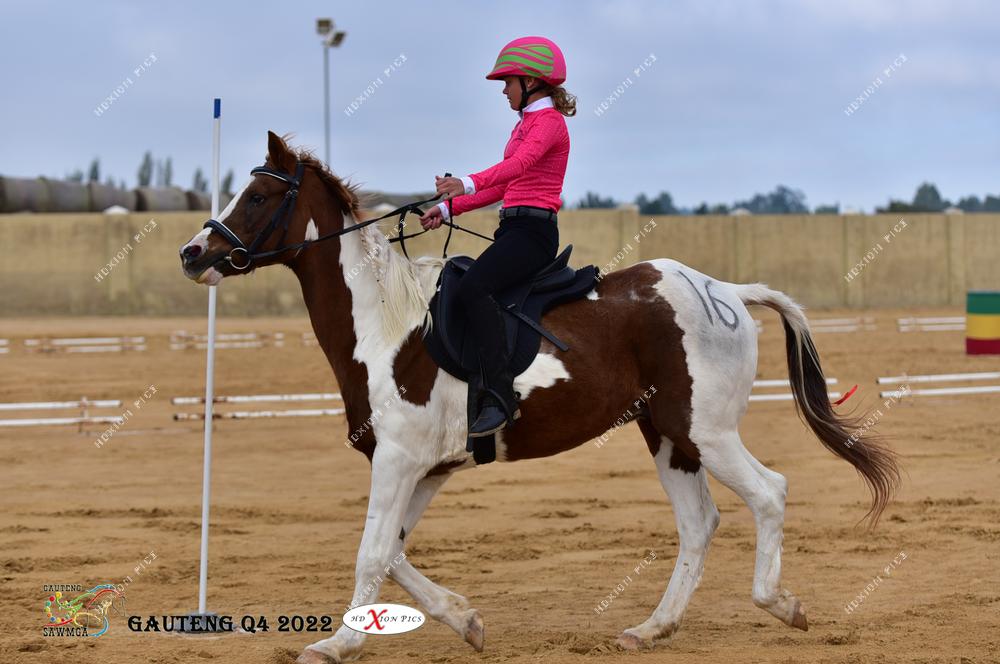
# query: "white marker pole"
{"points": [[206, 483]]}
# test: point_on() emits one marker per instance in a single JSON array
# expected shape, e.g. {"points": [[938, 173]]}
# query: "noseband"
{"points": [[282, 216], [241, 256]]}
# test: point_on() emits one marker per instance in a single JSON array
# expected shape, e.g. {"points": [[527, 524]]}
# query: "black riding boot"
{"points": [[495, 402]]}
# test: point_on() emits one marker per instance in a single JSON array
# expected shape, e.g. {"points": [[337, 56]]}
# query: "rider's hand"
{"points": [[449, 187], [432, 218]]}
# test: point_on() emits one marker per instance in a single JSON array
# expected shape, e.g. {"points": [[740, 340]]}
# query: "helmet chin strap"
{"points": [[525, 92]]}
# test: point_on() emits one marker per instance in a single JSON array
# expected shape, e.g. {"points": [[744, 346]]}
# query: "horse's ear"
{"points": [[277, 149]]}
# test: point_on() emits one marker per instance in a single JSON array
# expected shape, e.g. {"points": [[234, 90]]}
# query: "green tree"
{"points": [[896, 206], [827, 209], [200, 183], [168, 173], [593, 200], [662, 204], [971, 204], [783, 200], [718, 208], [227, 182], [146, 170], [94, 173], [927, 199], [75, 176]]}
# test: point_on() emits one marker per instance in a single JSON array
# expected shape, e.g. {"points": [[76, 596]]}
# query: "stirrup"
{"points": [[504, 419]]}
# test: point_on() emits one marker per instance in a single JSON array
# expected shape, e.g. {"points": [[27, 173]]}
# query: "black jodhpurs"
{"points": [[522, 246]]}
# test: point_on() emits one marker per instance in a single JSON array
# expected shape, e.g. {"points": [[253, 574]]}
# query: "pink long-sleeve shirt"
{"points": [[533, 167]]}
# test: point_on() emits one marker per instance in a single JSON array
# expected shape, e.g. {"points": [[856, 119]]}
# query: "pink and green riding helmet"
{"points": [[531, 57]]}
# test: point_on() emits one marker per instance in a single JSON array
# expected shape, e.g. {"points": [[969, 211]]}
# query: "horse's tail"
{"points": [[841, 434]]}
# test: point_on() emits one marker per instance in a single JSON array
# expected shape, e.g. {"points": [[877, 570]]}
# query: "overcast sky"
{"points": [[742, 95]]}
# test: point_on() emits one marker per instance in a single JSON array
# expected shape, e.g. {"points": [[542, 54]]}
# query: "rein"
{"points": [[283, 216]]}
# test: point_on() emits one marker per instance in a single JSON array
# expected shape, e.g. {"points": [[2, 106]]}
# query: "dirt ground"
{"points": [[535, 546]]}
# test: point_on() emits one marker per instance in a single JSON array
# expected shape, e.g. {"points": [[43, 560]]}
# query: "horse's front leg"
{"points": [[394, 478]]}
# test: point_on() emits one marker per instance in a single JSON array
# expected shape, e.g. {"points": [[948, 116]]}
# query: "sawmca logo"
{"points": [[383, 619], [84, 615]]}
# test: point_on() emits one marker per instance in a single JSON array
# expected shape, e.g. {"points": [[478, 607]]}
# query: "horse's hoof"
{"points": [[475, 630], [630, 641], [310, 656], [799, 617]]}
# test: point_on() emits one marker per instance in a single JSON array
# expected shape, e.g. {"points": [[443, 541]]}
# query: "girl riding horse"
{"points": [[529, 181]]}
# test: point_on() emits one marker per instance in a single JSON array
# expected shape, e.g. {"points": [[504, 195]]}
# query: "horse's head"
{"points": [[279, 207]]}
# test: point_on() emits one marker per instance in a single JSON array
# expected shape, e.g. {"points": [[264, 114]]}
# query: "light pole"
{"points": [[331, 37]]}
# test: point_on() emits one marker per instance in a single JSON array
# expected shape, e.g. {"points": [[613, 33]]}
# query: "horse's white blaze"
{"points": [[232, 203], [312, 232], [543, 372], [200, 240]]}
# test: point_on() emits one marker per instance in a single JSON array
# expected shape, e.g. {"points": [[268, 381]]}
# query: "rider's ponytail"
{"points": [[563, 101]]}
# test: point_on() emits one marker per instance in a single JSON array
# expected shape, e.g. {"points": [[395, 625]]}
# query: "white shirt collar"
{"points": [[537, 105]]}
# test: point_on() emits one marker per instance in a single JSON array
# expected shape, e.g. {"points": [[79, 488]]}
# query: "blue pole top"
{"points": [[218, 108]]}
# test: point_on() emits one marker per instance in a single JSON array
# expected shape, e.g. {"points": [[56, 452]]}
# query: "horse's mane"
{"points": [[405, 285], [344, 192]]}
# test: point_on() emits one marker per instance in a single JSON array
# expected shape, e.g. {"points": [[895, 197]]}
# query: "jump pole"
{"points": [[206, 482]]}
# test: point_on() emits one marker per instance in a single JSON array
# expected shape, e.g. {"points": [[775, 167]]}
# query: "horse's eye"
{"points": [[256, 199]]}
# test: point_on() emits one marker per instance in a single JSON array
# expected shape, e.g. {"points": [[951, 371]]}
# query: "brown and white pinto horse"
{"points": [[656, 324]]}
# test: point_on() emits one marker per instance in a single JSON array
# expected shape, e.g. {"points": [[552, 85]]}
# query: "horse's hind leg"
{"points": [[764, 491], [685, 482]]}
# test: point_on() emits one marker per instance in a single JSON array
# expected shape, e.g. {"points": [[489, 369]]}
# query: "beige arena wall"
{"points": [[50, 260]]}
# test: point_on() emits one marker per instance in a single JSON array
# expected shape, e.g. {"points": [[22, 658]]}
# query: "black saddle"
{"points": [[524, 304]]}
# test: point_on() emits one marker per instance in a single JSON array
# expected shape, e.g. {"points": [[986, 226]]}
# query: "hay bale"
{"points": [[161, 199], [66, 196], [102, 197], [201, 201], [23, 195], [198, 200]]}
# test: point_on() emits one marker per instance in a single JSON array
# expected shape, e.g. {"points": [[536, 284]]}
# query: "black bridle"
{"points": [[283, 216]]}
